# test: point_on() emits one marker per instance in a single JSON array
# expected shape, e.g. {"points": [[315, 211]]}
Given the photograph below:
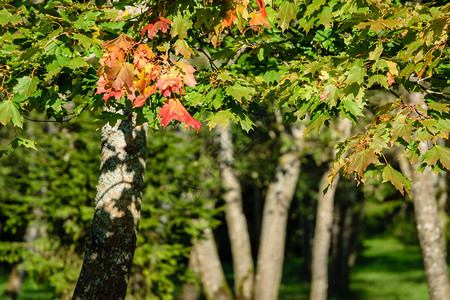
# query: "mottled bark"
{"points": [[190, 291], [428, 227], [424, 192], [442, 198], [235, 218], [322, 238], [110, 248], [210, 269], [275, 214]]}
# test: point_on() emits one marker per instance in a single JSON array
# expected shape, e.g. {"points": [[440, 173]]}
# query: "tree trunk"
{"points": [[275, 214], [235, 218], [323, 228], [322, 238], [428, 227], [110, 249], [210, 269], [424, 192], [190, 291], [14, 283], [442, 196]]}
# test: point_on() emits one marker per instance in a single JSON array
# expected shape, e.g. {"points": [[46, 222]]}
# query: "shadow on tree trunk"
{"points": [[110, 249]]}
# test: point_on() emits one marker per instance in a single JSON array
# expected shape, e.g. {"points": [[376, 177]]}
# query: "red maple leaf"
{"points": [[262, 8], [173, 109], [155, 26], [169, 83]]}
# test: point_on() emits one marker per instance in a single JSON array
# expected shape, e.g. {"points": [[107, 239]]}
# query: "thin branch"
{"points": [[211, 62]]}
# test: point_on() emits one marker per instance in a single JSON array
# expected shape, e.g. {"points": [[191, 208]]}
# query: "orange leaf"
{"points": [[187, 73], [142, 55], [390, 79], [168, 83], [161, 24], [173, 109], [258, 19], [229, 19]]}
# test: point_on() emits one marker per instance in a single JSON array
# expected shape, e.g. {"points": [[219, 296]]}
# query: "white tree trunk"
{"points": [[276, 207], [235, 218], [322, 239]]}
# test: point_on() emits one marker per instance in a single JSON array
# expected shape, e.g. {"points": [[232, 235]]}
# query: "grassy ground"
{"points": [[385, 270]]}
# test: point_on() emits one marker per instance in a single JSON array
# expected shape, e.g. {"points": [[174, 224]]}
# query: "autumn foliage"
{"points": [[133, 70]]}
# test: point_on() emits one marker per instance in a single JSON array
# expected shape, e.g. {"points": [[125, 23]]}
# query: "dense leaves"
{"points": [[314, 59]]}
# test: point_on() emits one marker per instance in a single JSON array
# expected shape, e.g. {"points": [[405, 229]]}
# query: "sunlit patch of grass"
{"points": [[389, 270], [385, 270]]}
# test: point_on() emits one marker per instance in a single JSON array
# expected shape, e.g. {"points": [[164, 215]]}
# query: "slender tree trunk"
{"points": [[424, 192], [275, 214], [428, 227], [210, 269], [442, 196], [235, 218], [323, 228], [190, 291], [110, 249], [322, 238]]}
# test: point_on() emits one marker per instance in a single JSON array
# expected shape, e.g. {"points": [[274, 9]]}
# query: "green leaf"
{"points": [[286, 14], [316, 123], [6, 17], [181, 47], [439, 107], [401, 128], [222, 118], [23, 143], [378, 79], [26, 86], [393, 176], [359, 160], [181, 24], [9, 110], [436, 153], [77, 62], [84, 40], [225, 76], [315, 5], [326, 16], [352, 107], [240, 93], [356, 73], [375, 54]]}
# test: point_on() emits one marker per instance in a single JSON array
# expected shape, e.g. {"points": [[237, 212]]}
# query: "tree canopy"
{"points": [[222, 59]]}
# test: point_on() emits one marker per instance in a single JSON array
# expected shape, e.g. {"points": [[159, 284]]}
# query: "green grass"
{"points": [[385, 270], [389, 270]]}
